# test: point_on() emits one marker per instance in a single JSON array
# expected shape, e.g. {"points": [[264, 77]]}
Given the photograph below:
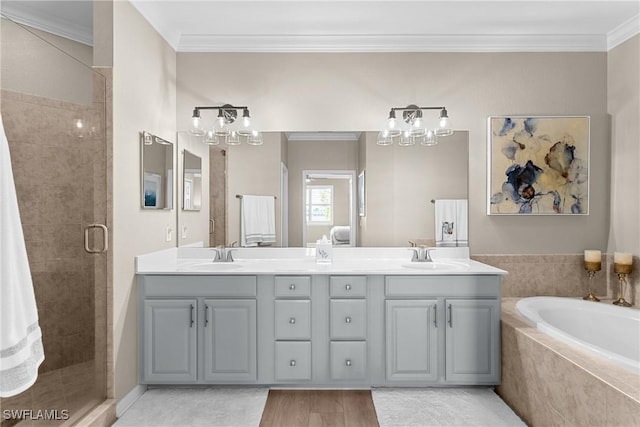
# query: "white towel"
{"points": [[451, 224], [257, 220], [21, 350]]}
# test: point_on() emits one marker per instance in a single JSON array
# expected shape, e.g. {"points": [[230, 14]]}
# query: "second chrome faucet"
{"points": [[421, 254]]}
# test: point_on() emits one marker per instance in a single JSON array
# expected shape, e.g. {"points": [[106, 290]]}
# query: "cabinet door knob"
{"points": [[292, 320], [292, 287], [347, 287], [347, 319], [292, 362], [348, 362]]}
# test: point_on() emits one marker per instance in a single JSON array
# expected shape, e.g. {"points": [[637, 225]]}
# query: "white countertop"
{"points": [[279, 261]]}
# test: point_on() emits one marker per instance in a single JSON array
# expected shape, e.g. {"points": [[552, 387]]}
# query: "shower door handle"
{"points": [[211, 226], [105, 238]]}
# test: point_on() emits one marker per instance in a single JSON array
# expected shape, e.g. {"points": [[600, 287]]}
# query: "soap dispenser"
{"points": [[324, 250]]}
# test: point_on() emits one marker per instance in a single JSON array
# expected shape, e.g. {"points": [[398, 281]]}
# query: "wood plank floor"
{"points": [[315, 408]]}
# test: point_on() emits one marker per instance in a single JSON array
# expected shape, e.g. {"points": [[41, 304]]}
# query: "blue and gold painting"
{"points": [[538, 165]]}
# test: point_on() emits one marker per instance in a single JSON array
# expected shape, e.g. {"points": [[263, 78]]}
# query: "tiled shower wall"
{"points": [[59, 177], [559, 275]]}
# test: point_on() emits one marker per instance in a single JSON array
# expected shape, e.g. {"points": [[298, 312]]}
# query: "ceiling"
{"points": [[363, 26]]}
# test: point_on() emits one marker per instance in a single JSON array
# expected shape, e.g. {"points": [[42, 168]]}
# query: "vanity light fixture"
{"points": [[227, 127], [412, 128]]}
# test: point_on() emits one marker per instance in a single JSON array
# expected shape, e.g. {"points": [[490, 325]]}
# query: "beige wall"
{"points": [[252, 170], [400, 183], [313, 155], [345, 92], [196, 222], [62, 78], [623, 84], [144, 98]]}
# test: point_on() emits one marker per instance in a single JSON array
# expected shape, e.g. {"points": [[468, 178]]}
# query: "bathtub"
{"points": [[607, 330]]}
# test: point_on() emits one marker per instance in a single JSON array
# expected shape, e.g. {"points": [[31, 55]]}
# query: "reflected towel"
{"points": [[257, 220], [21, 350], [462, 215], [340, 235]]}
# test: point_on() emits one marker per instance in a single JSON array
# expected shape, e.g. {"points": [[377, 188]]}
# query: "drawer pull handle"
{"points": [[347, 287], [292, 320], [348, 362], [450, 317], [191, 315], [206, 315], [292, 287], [292, 362], [347, 319]]}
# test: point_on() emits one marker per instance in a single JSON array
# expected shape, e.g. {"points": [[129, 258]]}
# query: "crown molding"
{"points": [[623, 32], [21, 13], [393, 43], [323, 136]]}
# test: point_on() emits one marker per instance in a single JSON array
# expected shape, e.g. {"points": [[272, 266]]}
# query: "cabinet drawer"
{"points": [[293, 286], [348, 319], [348, 360], [293, 361], [293, 319], [348, 286]]}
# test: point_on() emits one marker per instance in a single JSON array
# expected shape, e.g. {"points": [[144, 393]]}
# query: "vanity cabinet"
{"points": [[169, 338], [229, 340], [411, 340], [320, 330], [472, 341], [198, 329], [442, 329], [292, 318]]}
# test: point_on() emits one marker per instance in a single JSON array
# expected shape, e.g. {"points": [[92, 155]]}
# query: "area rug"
{"points": [[208, 406], [442, 407]]}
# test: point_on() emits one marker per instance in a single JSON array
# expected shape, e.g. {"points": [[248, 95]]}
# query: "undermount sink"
{"points": [[213, 266], [437, 266]]}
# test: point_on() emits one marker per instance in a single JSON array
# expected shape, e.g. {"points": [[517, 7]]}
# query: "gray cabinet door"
{"points": [[169, 343], [473, 341], [411, 344], [229, 340]]}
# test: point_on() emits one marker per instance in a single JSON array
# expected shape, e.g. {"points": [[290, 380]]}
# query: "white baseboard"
{"points": [[129, 399]]}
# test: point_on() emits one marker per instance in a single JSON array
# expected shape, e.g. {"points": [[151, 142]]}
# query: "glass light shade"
{"points": [[384, 137], [233, 138], [444, 127], [255, 138], [195, 127], [429, 139], [210, 138], [406, 139]]}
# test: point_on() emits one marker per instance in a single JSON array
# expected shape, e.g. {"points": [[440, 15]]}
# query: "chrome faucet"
{"points": [[421, 254], [224, 254]]}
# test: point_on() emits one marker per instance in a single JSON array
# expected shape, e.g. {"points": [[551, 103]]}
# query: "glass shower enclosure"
{"points": [[53, 105]]}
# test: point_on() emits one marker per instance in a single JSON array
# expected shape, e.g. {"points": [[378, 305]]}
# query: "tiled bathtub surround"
{"points": [[550, 383], [559, 275]]}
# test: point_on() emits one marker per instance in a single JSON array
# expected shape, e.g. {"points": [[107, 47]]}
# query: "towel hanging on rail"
{"points": [[21, 350], [451, 222], [257, 220]]}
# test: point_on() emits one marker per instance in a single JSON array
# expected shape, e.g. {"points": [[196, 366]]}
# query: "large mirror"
{"points": [[156, 172], [191, 182], [313, 177]]}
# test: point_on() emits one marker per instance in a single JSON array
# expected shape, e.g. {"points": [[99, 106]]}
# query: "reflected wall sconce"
{"points": [[232, 126], [413, 128]]}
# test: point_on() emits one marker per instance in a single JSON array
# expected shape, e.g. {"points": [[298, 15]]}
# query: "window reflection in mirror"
{"points": [[156, 172], [191, 182]]}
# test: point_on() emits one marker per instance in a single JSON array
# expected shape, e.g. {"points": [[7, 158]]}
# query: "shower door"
{"points": [[53, 105]]}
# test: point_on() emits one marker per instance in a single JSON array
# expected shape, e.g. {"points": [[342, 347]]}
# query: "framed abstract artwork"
{"points": [[538, 165]]}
